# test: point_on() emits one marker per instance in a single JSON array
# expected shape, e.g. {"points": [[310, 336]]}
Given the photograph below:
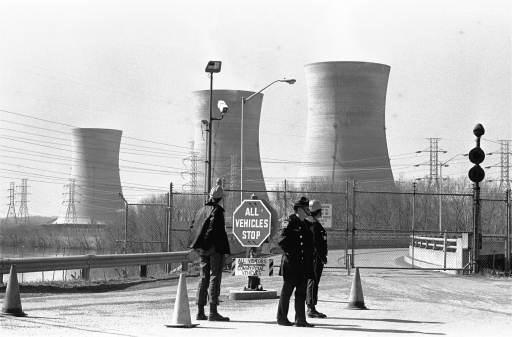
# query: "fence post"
{"points": [[444, 250], [413, 217], [353, 222], [169, 224], [507, 237], [347, 222], [285, 198]]}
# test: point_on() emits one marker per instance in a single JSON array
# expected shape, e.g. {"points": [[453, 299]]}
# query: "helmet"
{"points": [[314, 205]]}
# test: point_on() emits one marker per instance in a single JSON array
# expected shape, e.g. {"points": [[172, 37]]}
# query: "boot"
{"points": [[215, 316], [200, 313], [312, 313]]}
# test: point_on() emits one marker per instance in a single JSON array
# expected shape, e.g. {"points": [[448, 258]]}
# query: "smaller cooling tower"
{"points": [[96, 186], [226, 140]]}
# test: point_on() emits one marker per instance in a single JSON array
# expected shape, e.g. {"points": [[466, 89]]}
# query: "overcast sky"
{"points": [[131, 65]]}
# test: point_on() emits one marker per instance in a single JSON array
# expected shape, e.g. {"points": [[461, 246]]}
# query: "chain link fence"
{"points": [[386, 224]]}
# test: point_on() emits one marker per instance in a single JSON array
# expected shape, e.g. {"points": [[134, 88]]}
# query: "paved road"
{"points": [[401, 303]]}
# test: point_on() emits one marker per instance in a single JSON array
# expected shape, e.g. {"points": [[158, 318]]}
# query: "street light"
{"points": [[245, 100], [211, 67]]}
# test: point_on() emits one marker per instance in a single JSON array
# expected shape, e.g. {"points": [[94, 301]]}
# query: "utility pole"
{"points": [[11, 211]]}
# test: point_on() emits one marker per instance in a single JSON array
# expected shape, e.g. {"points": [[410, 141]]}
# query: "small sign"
{"points": [[326, 218], [252, 266]]}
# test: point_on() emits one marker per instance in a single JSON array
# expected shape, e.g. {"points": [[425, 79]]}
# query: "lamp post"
{"points": [[245, 100], [211, 67]]}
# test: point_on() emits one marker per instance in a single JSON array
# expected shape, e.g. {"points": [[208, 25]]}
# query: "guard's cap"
{"points": [[302, 202]]}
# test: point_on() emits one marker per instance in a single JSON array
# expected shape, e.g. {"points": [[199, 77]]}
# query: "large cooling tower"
{"points": [[226, 141], [95, 176], [346, 134]]}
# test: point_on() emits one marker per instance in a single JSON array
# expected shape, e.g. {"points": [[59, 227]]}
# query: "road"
{"points": [[400, 302]]}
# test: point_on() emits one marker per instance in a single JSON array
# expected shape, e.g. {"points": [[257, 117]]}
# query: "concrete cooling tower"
{"points": [[226, 141], [95, 184], [346, 134]]}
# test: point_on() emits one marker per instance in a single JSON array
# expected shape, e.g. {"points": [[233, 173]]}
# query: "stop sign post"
{"points": [[251, 223]]}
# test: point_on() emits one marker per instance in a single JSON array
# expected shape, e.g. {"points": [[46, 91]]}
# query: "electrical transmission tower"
{"points": [[191, 163], [434, 164], [23, 210], [70, 201], [11, 211], [505, 163]]}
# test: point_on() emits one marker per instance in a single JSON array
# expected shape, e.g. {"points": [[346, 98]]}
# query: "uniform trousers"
{"points": [[300, 298], [210, 277], [312, 287]]}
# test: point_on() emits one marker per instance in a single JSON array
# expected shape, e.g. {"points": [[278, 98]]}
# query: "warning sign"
{"points": [[252, 266], [326, 218]]}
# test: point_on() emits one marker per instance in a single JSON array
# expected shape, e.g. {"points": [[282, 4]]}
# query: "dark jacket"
{"points": [[296, 241], [210, 230], [319, 240]]}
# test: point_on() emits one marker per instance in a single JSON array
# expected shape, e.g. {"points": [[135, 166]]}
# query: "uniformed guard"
{"points": [[319, 257], [296, 240]]}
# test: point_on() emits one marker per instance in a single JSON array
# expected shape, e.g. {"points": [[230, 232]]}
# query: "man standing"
{"points": [[211, 242], [296, 240], [319, 257]]}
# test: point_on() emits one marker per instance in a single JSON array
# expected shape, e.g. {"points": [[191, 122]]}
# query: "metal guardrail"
{"points": [[434, 243], [86, 262]]}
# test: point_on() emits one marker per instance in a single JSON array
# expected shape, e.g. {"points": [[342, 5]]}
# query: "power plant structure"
{"points": [[346, 133], [226, 142], [94, 195]]}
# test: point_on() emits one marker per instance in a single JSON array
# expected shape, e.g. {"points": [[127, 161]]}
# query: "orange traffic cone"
{"points": [[356, 300], [181, 314], [12, 300]]}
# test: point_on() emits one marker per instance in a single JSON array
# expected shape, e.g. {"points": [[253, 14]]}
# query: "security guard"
{"points": [[296, 240], [319, 258]]}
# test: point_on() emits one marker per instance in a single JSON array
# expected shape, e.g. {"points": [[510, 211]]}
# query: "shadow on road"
{"points": [[390, 320]]}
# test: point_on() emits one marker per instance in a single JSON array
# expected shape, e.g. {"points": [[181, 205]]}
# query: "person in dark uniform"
{"points": [[319, 257], [296, 241], [211, 242]]}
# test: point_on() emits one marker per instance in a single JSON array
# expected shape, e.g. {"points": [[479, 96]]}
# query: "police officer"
{"points": [[296, 241], [319, 257]]}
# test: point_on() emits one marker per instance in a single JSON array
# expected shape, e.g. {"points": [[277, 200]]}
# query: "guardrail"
{"points": [[86, 262], [445, 244], [448, 254]]}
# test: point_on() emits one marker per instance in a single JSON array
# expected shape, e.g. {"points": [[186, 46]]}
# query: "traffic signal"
{"points": [[476, 156]]}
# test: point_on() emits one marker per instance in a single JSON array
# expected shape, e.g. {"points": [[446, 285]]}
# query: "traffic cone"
{"points": [[12, 300], [181, 314], [356, 300]]}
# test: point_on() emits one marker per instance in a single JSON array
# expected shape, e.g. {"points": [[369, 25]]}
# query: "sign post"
{"points": [[251, 227]]}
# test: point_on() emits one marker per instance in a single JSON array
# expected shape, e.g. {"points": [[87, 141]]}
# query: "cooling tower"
{"points": [[226, 142], [346, 134], [95, 177]]}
